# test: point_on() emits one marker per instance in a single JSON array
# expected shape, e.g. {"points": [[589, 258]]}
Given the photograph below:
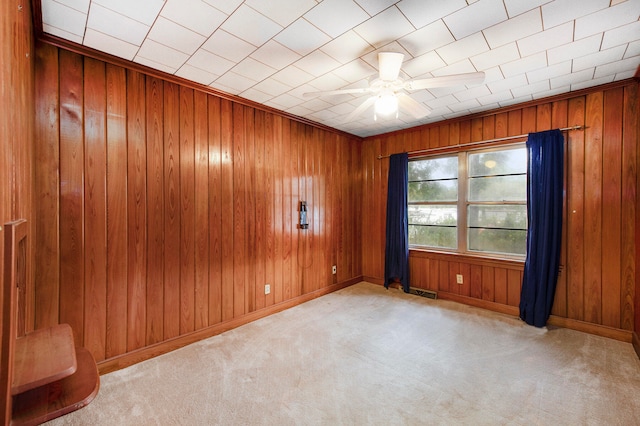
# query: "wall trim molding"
{"points": [[636, 343], [148, 352]]}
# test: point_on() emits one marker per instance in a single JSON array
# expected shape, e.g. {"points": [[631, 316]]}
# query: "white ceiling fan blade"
{"points": [[412, 106], [361, 108], [389, 64], [337, 92], [445, 81]]}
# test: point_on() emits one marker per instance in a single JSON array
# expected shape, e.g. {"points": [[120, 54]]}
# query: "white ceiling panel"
{"points": [[272, 52], [335, 17], [195, 15]]}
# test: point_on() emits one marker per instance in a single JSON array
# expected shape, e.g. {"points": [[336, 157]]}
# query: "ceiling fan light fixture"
{"points": [[386, 104]]}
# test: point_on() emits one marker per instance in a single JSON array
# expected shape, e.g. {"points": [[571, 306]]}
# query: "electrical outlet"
{"points": [[334, 270], [459, 279], [267, 288]]}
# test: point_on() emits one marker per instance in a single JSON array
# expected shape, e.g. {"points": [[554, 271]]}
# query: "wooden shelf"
{"points": [[42, 357], [60, 397]]}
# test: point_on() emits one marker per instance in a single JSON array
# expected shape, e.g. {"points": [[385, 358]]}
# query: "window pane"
{"points": [[433, 236], [498, 188], [441, 190], [498, 240], [433, 215], [505, 216], [505, 162], [433, 169]]}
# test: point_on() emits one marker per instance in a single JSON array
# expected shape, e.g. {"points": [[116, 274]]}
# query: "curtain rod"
{"points": [[487, 141]]}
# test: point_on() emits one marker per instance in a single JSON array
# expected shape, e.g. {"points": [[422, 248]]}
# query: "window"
{"points": [[473, 201]]}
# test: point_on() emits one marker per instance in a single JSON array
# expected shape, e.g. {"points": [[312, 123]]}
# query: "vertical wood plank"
{"points": [[203, 228], [95, 218], [228, 242], [239, 216], [500, 279], [250, 211], [263, 228], [514, 284], [117, 255], [220, 199], [488, 283], [187, 212], [273, 132], [71, 194], [475, 281], [270, 155], [136, 210], [288, 222], [155, 211], [593, 209], [47, 184], [612, 205], [172, 217]]}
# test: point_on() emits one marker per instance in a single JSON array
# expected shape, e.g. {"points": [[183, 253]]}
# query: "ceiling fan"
{"points": [[388, 90]]}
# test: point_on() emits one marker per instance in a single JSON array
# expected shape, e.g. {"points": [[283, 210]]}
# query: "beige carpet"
{"points": [[365, 355]]}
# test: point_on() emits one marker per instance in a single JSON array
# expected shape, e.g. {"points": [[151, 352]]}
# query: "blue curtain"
{"points": [[545, 152], [396, 265]]}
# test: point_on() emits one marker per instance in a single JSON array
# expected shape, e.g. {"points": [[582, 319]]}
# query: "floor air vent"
{"points": [[424, 293]]}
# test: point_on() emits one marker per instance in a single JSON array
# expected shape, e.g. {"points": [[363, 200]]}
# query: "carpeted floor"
{"points": [[365, 355]]}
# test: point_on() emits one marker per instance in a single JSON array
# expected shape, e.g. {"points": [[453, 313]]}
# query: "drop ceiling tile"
{"points": [[145, 11], [633, 49], [530, 89], [117, 26], [426, 39], [441, 92], [495, 98], [272, 87], [328, 82], [251, 26], [253, 70], [298, 110], [210, 62], [235, 81], [570, 79], [79, 5], [464, 48], [175, 36], [607, 19], [196, 74], [515, 101], [373, 7], [560, 11], [355, 70], [463, 106], [302, 37], [548, 39], [226, 89], [287, 101], [492, 58], [335, 17], [423, 96], [624, 65], [576, 49], [550, 92], [602, 57], [621, 35], [591, 83], [284, 12], [384, 27], [508, 83], [475, 18], [421, 12], [546, 73], [441, 102], [255, 95], [517, 7], [293, 76], [226, 6], [154, 64], [63, 17], [418, 67], [514, 29], [473, 93], [194, 14], [524, 65], [457, 68], [275, 55], [111, 45], [317, 63], [316, 104], [61, 33], [162, 54], [347, 47], [228, 46]]}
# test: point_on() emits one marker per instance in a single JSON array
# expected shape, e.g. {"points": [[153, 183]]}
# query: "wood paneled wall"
{"points": [[16, 124], [597, 280], [163, 210]]}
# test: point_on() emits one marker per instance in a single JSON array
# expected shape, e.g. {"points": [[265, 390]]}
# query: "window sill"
{"points": [[479, 259]]}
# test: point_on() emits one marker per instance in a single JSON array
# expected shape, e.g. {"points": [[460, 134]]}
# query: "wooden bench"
{"points": [[47, 376]]}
